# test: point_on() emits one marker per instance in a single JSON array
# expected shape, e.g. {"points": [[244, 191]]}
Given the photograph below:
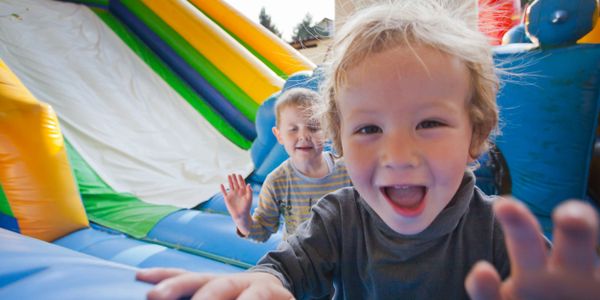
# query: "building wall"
{"points": [[317, 54]]}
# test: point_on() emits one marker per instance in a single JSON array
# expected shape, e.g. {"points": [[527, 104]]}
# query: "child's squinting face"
{"points": [[405, 133], [301, 137]]}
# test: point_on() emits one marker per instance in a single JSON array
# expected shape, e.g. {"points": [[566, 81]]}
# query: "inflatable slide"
{"points": [[131, 106]]}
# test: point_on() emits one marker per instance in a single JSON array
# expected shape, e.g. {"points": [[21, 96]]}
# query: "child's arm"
{"points": [[238, 200], [175, 283], [570, 271]]}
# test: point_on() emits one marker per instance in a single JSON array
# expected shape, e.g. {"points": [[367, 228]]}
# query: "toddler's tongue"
{"points": [[406, 200]]}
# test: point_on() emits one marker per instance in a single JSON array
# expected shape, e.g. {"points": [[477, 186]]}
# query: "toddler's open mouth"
{"points": [[304, 148], [406, 200]]}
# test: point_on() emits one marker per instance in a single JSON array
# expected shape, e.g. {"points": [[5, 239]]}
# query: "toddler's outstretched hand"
{"points": [[176, 283], [238, 200], [571, 271]]}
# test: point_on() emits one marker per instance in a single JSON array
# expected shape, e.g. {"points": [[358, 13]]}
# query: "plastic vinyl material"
{"points": [[122, 249], [516, 35], [163, 39], [135, 131], [559, 23], [265, 140], [202, 96], [105, 206], [34, 169], [271, 47], [32, 269], [237, 63], [550, 112], [593, 37], [211, 235]]}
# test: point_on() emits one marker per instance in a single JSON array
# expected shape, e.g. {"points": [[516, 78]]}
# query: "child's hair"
{"points": [[303, 98], [447, 26]]}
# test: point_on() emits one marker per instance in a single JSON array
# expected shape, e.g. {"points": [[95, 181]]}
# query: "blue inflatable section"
{"points": [[185, 71], [211, 235], [516, 35], [550, 102], [33, 269], [117, 247], [560, 23], [551, 112], [9, 222]]}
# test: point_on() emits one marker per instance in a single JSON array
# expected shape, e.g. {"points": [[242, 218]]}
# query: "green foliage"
{"points": [[265, 20], [306, 30]]}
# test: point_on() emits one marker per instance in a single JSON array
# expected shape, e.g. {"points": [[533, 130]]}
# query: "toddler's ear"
{"points": [[471, 158], [277, 135]]}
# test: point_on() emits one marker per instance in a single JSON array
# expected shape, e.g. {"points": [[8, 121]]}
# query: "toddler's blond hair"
{"points": [[447, 26]]}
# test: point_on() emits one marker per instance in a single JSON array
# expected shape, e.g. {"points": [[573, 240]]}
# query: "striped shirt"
{"points": [[289, 194]]}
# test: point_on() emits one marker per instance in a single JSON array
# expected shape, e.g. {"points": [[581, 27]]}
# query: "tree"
{"points": [[265, 20], [305, 30]]}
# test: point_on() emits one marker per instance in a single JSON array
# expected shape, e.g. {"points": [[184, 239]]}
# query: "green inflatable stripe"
{"points": [[120, 211], [136, 45], [4, 205], [204, 67], [124, 212], [265, 61]]}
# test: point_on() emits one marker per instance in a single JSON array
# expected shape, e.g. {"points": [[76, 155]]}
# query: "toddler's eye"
{"points": [[314, 128], [369, 129], [429, 124]]}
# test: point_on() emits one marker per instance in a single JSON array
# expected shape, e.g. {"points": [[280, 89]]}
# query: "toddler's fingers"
{"points": [[483, 282], [241, 183], [227, 287], [575, 238], [179, 286], [232, 181], [223, 190], [276, 292], [524, 241], [155, 275]]}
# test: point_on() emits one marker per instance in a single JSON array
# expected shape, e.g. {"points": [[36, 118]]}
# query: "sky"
{"points": [[286, 14]]}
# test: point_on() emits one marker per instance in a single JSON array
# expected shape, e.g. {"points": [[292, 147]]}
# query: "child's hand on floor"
{"points": [[570, 271], [176, 283]]}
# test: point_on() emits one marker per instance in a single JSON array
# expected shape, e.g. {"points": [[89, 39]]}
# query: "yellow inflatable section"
{"points": [[238, 64], [34, 170], [282, 55]]}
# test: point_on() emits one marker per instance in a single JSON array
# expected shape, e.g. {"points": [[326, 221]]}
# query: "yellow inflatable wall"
{"points": [[238, 64], [34, 169], [264, 42]]}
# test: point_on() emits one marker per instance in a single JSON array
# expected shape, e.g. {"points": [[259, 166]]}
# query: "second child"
{"points": [[295, 186]]}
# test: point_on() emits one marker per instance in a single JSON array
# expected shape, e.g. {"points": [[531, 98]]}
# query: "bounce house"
{"points": [[120, 118]]}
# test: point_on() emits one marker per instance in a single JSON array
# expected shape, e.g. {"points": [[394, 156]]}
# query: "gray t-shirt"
{"points": [[347, 243]]}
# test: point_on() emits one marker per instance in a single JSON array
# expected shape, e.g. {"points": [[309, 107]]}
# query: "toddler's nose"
{"points": [[399, 152], [305, 134]]}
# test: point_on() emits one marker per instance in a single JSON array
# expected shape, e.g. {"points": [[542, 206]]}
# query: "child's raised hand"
{"points": [[176, 283], [570, 271], [238, 200]]}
